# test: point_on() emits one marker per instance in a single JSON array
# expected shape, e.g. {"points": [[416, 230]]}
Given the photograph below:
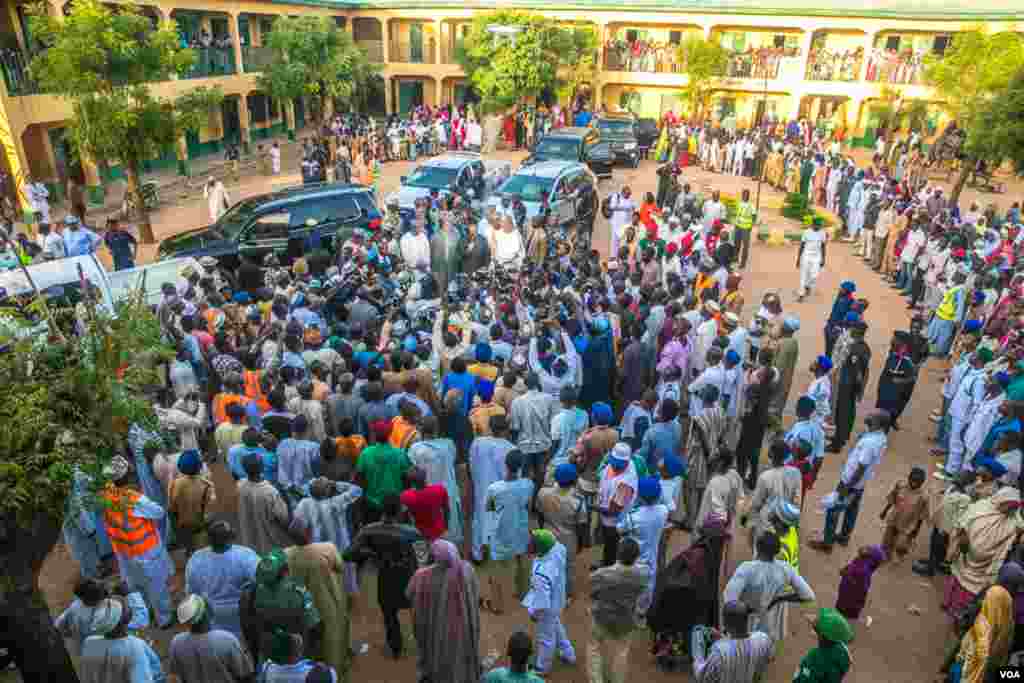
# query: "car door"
{"points": [[322, 220], [563, 202], [266, 234], [600, 159]]}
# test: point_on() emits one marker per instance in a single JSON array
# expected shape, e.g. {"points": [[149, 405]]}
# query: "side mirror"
{"points": [[402, 179]]}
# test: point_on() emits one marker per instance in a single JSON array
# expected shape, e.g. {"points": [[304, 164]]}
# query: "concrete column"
{"points": [[289, 117], [805, 52], [385, 37], [244, 123], [181, 151], [389, 96], [438, 95], [438, 40], [236, 42], [707, 31], [869, 45]]}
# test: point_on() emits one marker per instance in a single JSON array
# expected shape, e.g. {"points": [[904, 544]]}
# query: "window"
{"points": [[365, 201], [271, 225], [940, 44], [779, 41], [331, 210], [257, 108], [892, 43], [529, 188], [675, 37]]}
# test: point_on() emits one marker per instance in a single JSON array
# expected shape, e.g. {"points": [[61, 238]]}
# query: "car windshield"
{"points": [[236, 218], [529, 188], [615, 126], [431, 178], [553, 148]]}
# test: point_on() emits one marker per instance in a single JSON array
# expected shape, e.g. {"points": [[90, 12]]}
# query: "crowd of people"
{"points": [[440, 407]]}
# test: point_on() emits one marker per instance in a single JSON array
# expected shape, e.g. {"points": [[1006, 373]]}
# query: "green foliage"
{"points": [[704, 61], [103, 60], [66, 402], [316, 59], [795, 206], [975, 66], [1002, 119], [503, 72]]}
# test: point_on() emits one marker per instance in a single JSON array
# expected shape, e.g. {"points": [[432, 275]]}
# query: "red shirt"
{"points": [[427, 506]]}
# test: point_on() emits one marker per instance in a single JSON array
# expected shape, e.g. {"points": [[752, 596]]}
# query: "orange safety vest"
{"points": [[401, 433], [221, 403], [253, 390], [130, 536]]}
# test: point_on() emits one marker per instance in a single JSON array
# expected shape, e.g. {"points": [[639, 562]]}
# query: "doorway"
{"points": [[416, 43], [410, 95], [232, 122]]}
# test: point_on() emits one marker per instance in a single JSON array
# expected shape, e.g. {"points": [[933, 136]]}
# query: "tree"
{"points": [[504, 69], [67, 397], [104, 61], [1001, 120], [316, 59], [704, 61], [975, 68]]}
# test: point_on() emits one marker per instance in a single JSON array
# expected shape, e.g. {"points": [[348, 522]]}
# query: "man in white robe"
{"points": [[219, 573]]}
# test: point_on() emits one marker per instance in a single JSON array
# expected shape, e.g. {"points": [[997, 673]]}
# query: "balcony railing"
{"points": [[897, 68], [651, 58], [14, 64], [758, 63], [448, 53], [413, 53], [374, 50], [257, 58], [824, 65], [213, 61]]}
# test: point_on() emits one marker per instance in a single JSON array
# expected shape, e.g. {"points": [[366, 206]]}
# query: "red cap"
{"points": [[672, 248]]}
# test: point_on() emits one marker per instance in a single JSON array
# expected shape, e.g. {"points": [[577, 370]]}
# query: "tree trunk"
{"points": [[26, 627], [146, 235], [966, 166]]}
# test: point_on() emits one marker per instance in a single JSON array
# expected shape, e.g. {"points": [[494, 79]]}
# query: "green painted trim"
{"points": [[737, 7], [97, 194]]}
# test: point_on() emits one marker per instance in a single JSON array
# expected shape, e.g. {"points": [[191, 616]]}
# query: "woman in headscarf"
{"points": [[1011, 577], [446, 617], [986, 645], [989, 529], [598, 362], [830, 660], [690, 580]]}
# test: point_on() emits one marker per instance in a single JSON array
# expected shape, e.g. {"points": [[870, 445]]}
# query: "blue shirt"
{"points": [[238, 452], [80, 242], [811, 432], [583, 118], [511, 501], [464, 382]]}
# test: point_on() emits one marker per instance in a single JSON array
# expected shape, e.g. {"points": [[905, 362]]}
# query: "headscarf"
{"points": [[649, 488], [117, 469], [281, 645], [833, 626], [994, 627], [544, 540]]}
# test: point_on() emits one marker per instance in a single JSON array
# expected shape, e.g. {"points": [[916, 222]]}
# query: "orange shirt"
{"points": [[220, 405]]}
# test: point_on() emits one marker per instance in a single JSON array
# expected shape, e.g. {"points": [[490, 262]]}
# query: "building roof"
{"points": [[1005, 10]]}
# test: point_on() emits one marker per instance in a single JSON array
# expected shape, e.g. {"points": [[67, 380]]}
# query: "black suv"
{"points": [[582, 145], [621, 131], [282, 223]]}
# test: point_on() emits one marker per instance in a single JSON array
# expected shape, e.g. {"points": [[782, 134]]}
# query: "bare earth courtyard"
{"points": [[908, 634]]}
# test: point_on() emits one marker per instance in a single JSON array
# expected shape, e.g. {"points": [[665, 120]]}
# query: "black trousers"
{"points": [[393, 630], [741, 238], [610, 539], [938, 546]]}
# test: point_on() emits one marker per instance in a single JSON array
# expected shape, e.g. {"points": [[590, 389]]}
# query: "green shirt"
{"points": [[504, 675], [1015, 390], [383, 466], [657, 245]]}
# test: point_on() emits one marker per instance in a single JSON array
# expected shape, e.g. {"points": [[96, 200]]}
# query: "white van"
{"points": [[152, 276]]}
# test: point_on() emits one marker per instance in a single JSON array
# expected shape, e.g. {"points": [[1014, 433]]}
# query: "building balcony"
{"points": [[893, 68], [413, 53], [762, 64], [374, 50], [212, 61], [257, 58], [619, 56], [843, 67]]}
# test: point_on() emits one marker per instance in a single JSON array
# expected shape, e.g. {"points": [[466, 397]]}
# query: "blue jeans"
{"points": [[849, 517], [905, 276]]}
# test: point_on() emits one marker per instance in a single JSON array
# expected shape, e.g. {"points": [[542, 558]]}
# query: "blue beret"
{"points": [[483, 352], [602, 414], [978, 297], [732, 356], [601, 324], [565, 473], [804, 406], [649, 488], [673, 466], [848, 286], [241, 298], [824, 362], [791, 322], [972, 326], [189, 462], [1002, 379], [410, 344]]}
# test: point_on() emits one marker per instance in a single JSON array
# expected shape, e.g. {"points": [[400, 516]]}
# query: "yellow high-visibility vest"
{"points": [[947, 309]]}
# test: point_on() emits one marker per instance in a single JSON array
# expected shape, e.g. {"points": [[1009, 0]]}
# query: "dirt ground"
{"points": [[907, 636]]}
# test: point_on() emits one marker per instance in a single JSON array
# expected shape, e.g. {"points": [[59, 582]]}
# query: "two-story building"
{"points": [[789, 58]]}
